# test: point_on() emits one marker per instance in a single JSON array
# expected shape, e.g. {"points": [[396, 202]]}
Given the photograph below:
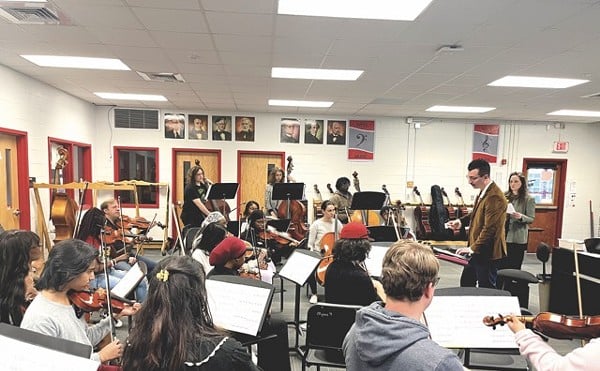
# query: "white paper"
{"points": [[457, 321], [374, 261], [299, 267], [510, 208], [236, 307], [22, 356], [129, 281]]}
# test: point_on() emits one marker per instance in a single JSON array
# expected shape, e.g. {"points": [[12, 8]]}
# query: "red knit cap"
{"points": [[354, 231], [229, 248]]}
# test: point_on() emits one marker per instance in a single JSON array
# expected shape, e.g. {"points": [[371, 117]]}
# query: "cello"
{"points": [[215, 205], [64, 208], [296, 211], [357, 216], [422, 218], [327, 244]]}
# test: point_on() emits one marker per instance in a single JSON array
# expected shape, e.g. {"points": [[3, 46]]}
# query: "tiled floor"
{"points": [[449, 274]]}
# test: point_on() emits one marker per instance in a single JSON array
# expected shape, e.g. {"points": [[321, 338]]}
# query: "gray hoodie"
{"points": [[384, 340]]}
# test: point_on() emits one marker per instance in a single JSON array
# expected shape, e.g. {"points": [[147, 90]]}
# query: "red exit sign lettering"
{"points": [[561, 147]]}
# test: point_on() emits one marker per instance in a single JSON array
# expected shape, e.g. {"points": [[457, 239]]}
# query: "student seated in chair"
{"points": [[392, 337], [273, 354]]}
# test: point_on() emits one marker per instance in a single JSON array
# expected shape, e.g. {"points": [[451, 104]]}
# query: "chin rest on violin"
{"points": [[557, 326]]}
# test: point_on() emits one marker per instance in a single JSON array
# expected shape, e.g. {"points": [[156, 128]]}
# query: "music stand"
{"points": [[222, 191], [367, 200], [282, 225], [288, 191]]}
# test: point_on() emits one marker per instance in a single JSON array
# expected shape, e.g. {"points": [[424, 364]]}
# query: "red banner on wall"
{"points": [[361, 140], [485, 142]]}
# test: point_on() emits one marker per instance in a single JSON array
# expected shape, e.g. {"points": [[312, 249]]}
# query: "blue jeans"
{"points": [[115, 277], [150, 264]]}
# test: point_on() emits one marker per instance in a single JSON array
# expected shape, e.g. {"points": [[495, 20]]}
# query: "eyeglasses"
{"points": [[473, 178], [435, 281]]}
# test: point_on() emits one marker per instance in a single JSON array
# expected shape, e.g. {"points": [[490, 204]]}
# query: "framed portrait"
{"points": [[244, 128], [198, 127], [313, 131], [336, 132], [290, 131], [221, 128], [174, 125]]}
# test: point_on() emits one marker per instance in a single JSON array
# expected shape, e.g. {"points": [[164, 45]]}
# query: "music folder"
{"points": [[130, 281], [300, 265], [238, 304]]}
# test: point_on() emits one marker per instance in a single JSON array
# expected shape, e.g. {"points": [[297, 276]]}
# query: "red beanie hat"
{"points": [[229, 248], [354, 231]]}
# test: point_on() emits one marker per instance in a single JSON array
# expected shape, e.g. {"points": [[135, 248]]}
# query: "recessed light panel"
{"points": [[300, 103], [123, 96], [396, 10], [537, 82], [77, 62], [315, 73], [460, 109]]}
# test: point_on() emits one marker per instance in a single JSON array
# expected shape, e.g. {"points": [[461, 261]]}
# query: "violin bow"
{"points": [[578, 283], [81, 195]]}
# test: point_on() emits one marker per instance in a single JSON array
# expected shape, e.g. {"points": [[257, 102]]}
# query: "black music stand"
{"points": [[297, 269], [222, 191], [282, 225], [288, 191], [367, 200]]}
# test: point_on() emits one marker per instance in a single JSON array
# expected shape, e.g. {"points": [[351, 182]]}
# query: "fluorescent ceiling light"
{"points": [[315, 73], [397, 10], [537, 82], [23, 1], [300, 103], [77, 62], [124, 96], [574, 112], [461, 109]]}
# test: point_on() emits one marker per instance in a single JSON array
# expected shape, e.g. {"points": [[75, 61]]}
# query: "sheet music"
{"points": [[374, 261], [462, 325], [18, 355], [299, 267], [237, 307], [510, 208], [129, 281]]}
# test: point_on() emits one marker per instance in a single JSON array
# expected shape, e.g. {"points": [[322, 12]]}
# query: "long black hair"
{"points": [[91, 224], [15, 261], [174, 322], [67, 260]]}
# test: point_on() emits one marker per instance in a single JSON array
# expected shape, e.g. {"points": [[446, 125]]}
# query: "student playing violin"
{"points": [[543, 357], [258, 235], [70, 267]]}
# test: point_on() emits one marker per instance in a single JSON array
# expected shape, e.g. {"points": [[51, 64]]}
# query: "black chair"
{"points": [[517, 283], [188, 239], [503, 357], [326, 327], [592, 244]]}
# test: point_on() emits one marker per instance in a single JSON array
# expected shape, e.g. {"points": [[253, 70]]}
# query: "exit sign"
{"points": [[562, 147]]}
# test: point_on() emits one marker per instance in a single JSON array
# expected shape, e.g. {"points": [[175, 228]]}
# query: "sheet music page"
{"points": [[457, 321], [375, 260], [129, 281], [299, 267], [22, 356], [510, 208], [239, 308]]}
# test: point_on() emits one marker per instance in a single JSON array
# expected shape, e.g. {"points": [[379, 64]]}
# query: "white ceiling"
{"points": [[224, 49]]}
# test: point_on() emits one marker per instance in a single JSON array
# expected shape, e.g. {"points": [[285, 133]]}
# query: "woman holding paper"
{"points": [[177, 301], [521, 213]]}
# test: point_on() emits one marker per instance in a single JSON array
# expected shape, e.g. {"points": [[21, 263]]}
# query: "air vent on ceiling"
{"points": [[161, 76], [127, 118], [33, 14]]}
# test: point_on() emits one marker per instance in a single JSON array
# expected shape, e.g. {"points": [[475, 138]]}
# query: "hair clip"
{"points": [[163, 275]]}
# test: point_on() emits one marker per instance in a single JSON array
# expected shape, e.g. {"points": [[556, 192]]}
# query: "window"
{"points": [[540, 184], [137, 163]]}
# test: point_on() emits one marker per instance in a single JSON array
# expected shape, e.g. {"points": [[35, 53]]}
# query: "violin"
{"points": [[556, 326], [139, 222], [91, 302], [279, 237]]}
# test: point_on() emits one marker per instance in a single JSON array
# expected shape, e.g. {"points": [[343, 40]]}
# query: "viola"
{"points": [[556, 326], [91, 302]]}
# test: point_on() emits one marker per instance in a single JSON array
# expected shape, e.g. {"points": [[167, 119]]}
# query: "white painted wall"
{"points": [[437, 153]]}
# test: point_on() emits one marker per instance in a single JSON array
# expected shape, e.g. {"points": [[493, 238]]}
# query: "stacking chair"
{"points": [[326, 327], [503, 356]]}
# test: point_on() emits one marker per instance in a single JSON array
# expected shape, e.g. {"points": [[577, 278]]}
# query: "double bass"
{"points": [[64, 208], [296, 211], [357, 216], [215, 205]]}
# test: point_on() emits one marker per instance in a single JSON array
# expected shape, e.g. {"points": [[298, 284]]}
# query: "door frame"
{"points": [[561, 182], [86, 166], [23, 176]]}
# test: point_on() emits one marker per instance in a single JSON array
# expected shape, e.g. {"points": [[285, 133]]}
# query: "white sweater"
{"points": [[317, 230], [544, 358]]}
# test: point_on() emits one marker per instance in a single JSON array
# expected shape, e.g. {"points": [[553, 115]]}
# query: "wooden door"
{"points": [[545, 182], [184, 159], [253, 171], [9, 175]]}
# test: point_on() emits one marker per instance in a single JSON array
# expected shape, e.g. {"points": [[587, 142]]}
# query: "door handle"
{"points": [[16, 212]]}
